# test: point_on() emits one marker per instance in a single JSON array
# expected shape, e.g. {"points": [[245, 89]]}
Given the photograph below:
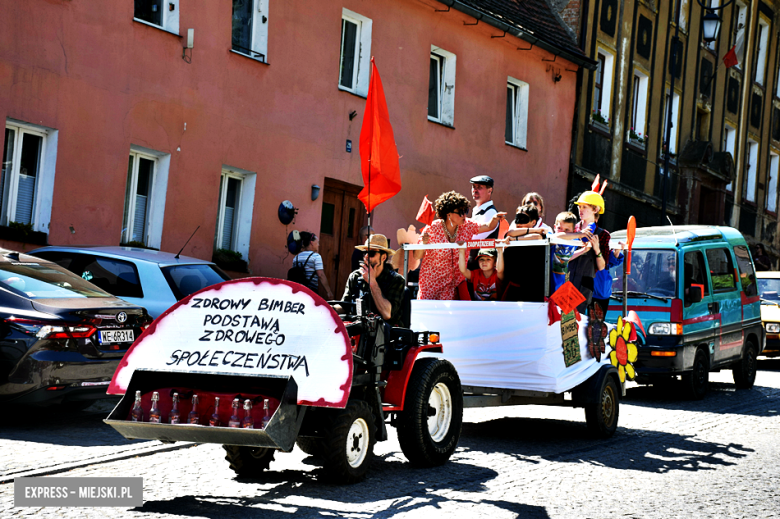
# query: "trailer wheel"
{"points": [[311, 446], [248, 462], [348, 446], [602, 416], [744, 370], [429, 426]]}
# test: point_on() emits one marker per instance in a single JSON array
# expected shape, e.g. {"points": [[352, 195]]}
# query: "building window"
{"points": [[729, 145], [162, 13], [250, 28], [740, 19], [234, 215], [355, 62], [147, 183], [672, 145], [762, 39], [602, 87], [639, 107], [771, 189], [441, 87], [29, 157], [516, 131], [751, 167]]}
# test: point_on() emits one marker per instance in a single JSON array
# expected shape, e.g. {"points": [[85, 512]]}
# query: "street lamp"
{"points": [[710, 26]]}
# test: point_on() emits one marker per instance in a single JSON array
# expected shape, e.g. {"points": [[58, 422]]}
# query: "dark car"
{"points": [[61, 337]]}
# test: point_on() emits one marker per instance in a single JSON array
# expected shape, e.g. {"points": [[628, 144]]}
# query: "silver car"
{"points": [[148, 278]]}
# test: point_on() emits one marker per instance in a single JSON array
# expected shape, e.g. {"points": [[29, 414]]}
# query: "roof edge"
{"points": [[582, 61]]}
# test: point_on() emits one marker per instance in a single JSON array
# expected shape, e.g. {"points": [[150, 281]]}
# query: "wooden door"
{"points": [[342, 217]]}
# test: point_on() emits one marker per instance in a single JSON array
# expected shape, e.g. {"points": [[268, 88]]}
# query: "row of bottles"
{"points": [[174, 417]]}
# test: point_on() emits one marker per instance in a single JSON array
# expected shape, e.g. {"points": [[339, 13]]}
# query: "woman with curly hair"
{"points": [[439, 273]]}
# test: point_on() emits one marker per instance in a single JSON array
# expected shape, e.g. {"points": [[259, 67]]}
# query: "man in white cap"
{"points": [[375, 282]]}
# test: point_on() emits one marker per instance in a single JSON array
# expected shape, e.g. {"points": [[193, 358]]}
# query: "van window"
{"points": [[746, 273], [721, 270], [653, 272], [695, 272]]}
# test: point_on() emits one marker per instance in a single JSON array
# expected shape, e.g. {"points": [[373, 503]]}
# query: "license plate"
{"points": [[110, 336]]}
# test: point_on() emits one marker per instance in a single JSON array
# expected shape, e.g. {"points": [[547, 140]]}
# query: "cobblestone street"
{"points": [[670, 458]]}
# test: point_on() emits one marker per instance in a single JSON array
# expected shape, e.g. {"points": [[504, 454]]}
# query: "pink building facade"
{"points": [[117, 133]]}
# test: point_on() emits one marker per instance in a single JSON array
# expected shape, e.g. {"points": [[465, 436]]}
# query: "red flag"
{"points": [[378, 154], [426, 214], [730, 59]]}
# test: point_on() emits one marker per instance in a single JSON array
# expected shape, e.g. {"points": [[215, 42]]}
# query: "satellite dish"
{"points": [[286, 212]]}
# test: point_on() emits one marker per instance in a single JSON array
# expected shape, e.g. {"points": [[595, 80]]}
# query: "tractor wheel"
{"points": [[429, 426], [697, 380], [348, 446], [311, 446], [248, 462], [602, 416], [744, 370]]}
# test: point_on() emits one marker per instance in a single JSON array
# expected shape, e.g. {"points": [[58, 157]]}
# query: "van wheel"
{"points": [[429, 426], [744, 370], [248, 462], [348, 446], [602, 416], [697, 380]]}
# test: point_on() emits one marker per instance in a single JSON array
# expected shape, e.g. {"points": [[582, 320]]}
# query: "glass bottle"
{"points": [[235, 421], [248, 422], [137, 415], [214, 419], [266, 413], [175, 417], [194, 417], [154, 412]]}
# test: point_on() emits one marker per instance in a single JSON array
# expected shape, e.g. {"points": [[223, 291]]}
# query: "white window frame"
{"points": [[739, 28], [730, 145], [606, 84], [156, 203], [362, 66], [448, 62], [751, 171], [170, 19], [763, 44], [640, 98], [520, 113], [259, 43], [771, 189], [243, 216], [44, 188], [675, 121]]}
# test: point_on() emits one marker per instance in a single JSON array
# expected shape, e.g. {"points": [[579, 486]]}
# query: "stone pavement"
{"points": [[719, 457]]}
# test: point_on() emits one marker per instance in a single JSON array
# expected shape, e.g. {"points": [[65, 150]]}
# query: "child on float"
{"points": [[562, 254], [524, 225], [487, 278]]}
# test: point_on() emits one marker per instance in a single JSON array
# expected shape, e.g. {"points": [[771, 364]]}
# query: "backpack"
{"points": [[297, 274]]}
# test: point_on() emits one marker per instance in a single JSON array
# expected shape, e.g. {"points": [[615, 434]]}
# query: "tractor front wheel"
{"points": [[348, 445], [248, 462]]}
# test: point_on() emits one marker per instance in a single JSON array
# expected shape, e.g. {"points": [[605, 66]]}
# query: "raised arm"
{"points": [[500, 263], [420, 254], [489, 226]]}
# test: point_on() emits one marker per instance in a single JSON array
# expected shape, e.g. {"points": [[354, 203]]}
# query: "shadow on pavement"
{"points": [[58, 426], [767, 364], [529, 439], [411, 489]]}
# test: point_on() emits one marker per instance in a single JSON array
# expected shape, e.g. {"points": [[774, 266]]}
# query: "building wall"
{"points": [[105, 83], [702, 115]]}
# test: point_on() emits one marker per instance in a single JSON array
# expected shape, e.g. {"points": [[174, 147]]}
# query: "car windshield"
{"points": [[187, 279], [45, 281], [769, 289], [653, 272]]}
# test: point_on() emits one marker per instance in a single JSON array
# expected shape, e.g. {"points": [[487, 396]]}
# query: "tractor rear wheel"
{"points": [[429, 426], [248, 462], [348, 445]]}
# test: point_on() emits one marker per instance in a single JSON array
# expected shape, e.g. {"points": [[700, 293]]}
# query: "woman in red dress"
{"points": [[439, 273]]}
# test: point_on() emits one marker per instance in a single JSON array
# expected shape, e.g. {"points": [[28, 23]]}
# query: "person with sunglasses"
{"points": [[536, 199], [440, 274], [376, 282], [524, 227]]}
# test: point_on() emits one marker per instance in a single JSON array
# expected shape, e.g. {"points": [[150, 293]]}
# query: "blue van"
{"points": [[695, 292]]}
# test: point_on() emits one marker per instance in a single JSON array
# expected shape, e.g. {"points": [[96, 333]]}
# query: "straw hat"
{"points": [[376, 242]]}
